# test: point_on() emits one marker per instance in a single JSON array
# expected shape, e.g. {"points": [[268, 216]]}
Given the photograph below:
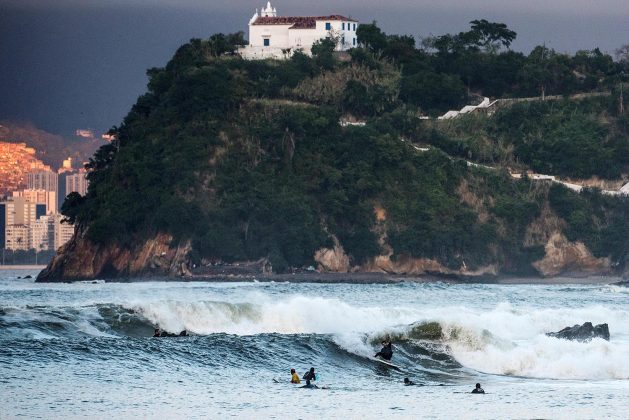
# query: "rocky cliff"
{"points": [[81, 259]]}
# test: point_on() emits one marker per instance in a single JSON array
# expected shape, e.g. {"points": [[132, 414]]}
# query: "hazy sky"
{"points": [[66, 64]]}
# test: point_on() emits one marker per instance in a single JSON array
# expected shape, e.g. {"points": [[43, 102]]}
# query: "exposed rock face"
{"points": [[584, 332], [332, 259], [81, 259], [543, 227], [564, 256], [419, 266], [335, 260]]}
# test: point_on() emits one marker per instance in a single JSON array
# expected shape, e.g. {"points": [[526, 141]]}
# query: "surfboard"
{"points": [[386, 363]]}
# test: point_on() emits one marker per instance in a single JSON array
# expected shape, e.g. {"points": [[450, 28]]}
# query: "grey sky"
{"points": [[66, 64]]}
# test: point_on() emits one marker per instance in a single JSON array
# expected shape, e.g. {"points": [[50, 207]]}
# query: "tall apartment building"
{"points": [[48, 198], [19, 211], [16, 238], [63, 231], [44, 180], [42, 233], [18, 215], [76, 183]]}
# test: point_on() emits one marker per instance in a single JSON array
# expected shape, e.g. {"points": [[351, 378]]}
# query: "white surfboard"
{"points": [[386, 363]]}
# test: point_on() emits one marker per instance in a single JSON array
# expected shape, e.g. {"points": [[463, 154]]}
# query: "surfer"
{"points": [[478, 390], [408, 382], [159, 333], [310, 376], [294, 378], [386, 352]]}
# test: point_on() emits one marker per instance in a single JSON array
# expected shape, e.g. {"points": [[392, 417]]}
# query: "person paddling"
{"points": [[478, 390], [294, 378], [386, 352], [310, 376]]}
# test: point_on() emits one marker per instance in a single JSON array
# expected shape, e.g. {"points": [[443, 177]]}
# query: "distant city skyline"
{"points": [[70, 64]]}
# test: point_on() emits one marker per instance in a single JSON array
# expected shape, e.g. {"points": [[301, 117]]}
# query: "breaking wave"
{"points": [[445, 340]]}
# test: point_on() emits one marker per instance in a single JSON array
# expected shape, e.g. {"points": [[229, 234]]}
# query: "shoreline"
{"points": [[367, 278], [22, 267], [379, 278]]}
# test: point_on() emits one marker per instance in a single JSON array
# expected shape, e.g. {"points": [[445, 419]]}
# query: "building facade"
{"points": [[45, 180], [19, 211], [63, 231], [76, 183], [272, 36], [42, 233], [18, 216], [47, 198], [16, 238]]}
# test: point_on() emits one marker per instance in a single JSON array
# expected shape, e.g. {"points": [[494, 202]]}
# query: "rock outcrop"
{"points": [[81, 259], [405, 265], [563, 256], [333, 260], [584, 332]]}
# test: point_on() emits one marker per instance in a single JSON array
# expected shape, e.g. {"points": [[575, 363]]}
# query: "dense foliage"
{"points": [[444, 70], [247, 159], [567, 138], [599, 221]]}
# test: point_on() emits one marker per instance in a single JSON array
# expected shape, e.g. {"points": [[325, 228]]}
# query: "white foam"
{"points": [[505, 340], [292, 315]]}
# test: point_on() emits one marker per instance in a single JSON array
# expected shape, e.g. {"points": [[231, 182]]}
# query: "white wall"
{"points": [[277, 34], [337, 30], [302, 38]]}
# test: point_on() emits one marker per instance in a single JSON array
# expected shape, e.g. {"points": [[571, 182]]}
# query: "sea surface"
{"points": [[85, 350]]}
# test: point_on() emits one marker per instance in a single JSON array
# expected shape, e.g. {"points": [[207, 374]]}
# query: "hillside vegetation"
{"points": [[247, 159]]}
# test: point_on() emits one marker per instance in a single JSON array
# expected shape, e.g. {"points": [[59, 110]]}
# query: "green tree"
{"points": [[370, 36]]}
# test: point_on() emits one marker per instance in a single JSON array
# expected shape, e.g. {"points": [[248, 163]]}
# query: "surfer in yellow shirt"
{"points": [[294, 378]]}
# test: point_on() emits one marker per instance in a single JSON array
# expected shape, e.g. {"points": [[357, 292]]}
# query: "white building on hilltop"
{"points": [[272, 36]]}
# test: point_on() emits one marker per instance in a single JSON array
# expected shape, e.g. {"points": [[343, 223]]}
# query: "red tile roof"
{"points": [[298, 22]]}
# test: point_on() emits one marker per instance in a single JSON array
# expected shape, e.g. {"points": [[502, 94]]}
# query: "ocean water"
{"points": [[85, 350]]}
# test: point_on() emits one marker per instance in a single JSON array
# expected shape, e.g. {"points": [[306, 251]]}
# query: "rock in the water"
{"points": [[584, 332]]}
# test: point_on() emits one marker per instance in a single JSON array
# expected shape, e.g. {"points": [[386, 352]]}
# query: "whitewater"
{"points": [[86, 350]]}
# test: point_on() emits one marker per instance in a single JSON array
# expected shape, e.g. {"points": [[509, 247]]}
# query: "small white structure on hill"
{"points": [[272, 36], [484, 105]]}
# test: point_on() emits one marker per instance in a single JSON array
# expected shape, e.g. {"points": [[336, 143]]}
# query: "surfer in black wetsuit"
{"points": [[478, 390], [310, 376], [387, 351], [408, 382], [159, 333]]}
